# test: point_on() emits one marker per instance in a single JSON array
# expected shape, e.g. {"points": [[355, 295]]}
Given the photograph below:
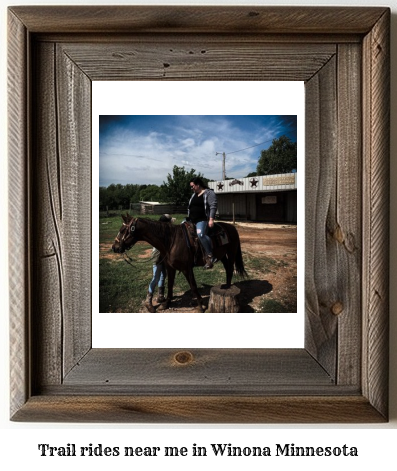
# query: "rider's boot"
{"points": [[148, 302], [160, 297], [208, 261]]}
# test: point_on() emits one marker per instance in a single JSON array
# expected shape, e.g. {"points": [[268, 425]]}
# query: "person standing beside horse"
{"points": [[201, 211], [159, 273]]}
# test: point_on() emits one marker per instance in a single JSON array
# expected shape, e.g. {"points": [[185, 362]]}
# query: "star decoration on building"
{"points": [[254, 182], [220, 186]]}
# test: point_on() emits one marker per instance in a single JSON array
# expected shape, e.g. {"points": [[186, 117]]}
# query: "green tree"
{"points": [[151, 193], [280, 157], [102, 198], [177, 189], [132, 193], [114, 196]]}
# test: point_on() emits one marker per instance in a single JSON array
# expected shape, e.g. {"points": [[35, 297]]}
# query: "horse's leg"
{"points": [[189, 275], [170, 289], [232, 256], [228, 265]]}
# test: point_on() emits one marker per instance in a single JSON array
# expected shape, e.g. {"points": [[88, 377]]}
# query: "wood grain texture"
{"points": [[333, 215], [341, 375], [204, 59], [19, 215], [346, 228], [224, 300], [198, 409], [47, 330], [198, 19], [375, 322], [74, 125], [62, 256], [321, 167], [227, 369]]}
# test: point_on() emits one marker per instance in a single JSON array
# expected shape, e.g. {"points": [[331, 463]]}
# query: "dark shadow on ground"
{"points": [[249, 289]]}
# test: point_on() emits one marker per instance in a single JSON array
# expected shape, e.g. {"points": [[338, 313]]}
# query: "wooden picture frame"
{"points": [[342, 54]]}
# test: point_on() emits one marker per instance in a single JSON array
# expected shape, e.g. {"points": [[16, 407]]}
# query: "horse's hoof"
{"points": [[150, 308], [163, 306]]}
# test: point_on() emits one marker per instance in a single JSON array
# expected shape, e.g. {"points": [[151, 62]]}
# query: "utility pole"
{"points": [[223, 164]]}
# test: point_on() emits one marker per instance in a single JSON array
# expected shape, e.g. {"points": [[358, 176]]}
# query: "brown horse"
{"points": [[177, 253]]}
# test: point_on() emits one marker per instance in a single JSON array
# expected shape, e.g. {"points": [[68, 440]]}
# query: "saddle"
{"points": [[217, 235], [191, 236]]}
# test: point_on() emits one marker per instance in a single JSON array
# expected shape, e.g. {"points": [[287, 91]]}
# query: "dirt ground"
{"points": [[278, 242], [274, 246]]}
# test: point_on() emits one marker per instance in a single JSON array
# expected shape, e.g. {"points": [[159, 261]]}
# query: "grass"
{"points": [[263, 264], [275, 306]]}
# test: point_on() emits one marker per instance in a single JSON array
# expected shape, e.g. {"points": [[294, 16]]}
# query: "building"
{"points": [[154, 207], [267, 198]]}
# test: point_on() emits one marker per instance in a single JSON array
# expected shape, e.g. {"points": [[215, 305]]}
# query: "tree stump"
{"points": [[224, 299]]}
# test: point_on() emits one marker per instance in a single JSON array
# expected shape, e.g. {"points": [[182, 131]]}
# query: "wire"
{"points": [[250, 147]]}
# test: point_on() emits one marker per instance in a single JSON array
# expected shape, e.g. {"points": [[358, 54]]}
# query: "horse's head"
{"points": [[126, 237]]}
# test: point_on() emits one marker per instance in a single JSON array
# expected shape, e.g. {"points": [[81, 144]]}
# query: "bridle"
{"points": [[131, 226]]}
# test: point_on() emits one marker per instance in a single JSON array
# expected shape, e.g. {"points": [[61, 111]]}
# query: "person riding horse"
{"points": [[201, 211]]}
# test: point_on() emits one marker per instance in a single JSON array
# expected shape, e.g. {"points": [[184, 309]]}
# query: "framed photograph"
{"points": [[144, 147], [342, 56]]}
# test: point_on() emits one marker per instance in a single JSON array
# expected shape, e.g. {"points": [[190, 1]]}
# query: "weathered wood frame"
{"points": [[342, 54]]}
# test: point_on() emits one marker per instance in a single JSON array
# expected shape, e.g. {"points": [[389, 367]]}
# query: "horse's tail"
{"points": [[238, 262]]}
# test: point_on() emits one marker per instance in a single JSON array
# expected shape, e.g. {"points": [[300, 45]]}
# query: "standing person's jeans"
{"points": [[202, 228], [159, 274]]}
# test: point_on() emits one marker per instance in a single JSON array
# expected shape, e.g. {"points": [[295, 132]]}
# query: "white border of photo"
{"points": [[169, 330]]}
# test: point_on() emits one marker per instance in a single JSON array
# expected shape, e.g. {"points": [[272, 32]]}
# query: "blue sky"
{"points": [[144, 149]]}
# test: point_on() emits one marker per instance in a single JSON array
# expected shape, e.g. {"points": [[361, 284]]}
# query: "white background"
{"points": [[376, 443], [249, 330]]}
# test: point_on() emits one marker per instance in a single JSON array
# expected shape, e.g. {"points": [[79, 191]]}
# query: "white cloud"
{"points": [[138, 156]]}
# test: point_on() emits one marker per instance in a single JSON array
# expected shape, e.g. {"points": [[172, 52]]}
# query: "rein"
{"points": [[128, 259], [132, 262]]}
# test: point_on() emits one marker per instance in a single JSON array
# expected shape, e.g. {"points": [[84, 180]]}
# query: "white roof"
{"points": [[278, 182]]}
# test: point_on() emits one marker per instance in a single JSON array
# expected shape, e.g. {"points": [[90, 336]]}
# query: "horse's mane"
{"points": [[165, 230]]}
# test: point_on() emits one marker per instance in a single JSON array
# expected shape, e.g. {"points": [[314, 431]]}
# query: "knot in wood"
{"points": [[337, 308], [183, 358], [338, 235]]}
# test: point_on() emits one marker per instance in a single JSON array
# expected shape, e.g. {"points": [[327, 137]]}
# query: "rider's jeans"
{"points": [[202, 228], [159, 275]]}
